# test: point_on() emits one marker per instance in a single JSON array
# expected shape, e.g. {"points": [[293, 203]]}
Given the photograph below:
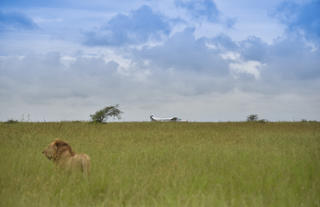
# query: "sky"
{"points": [[204, 60]]}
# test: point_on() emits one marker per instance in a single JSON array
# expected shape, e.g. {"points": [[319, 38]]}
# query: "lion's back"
{"points": [[81, 161]]}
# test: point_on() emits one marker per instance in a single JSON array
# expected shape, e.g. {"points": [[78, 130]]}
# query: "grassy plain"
{"points": [[164, 164]]}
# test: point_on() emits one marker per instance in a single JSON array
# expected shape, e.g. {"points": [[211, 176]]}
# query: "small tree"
{"points": [[252, 117], [103, 114]]}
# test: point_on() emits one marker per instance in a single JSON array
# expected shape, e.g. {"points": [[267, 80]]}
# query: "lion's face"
{"points": [[50, 151]]}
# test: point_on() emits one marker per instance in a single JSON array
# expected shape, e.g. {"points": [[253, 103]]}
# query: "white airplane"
{"points": [[153, 118]]}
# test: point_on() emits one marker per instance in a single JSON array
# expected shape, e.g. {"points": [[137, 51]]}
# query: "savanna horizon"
{"points": [[164, 164]]}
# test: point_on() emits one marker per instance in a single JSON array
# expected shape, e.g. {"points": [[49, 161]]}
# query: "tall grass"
{"points": [[164, 164]]}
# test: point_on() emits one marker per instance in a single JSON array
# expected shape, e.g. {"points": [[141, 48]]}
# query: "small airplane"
{"points": [[153, 118]]}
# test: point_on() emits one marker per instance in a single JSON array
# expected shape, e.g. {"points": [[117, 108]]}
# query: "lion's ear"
{"points": [[59, 143], [57, 140], [62, 146]]}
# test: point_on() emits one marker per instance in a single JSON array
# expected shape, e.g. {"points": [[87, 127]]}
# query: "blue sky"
{"points": [[199, 60]]}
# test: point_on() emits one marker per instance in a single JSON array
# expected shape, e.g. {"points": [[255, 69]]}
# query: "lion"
{"points": [[60, 152]]}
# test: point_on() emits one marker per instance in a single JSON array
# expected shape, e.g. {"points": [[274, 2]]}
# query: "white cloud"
{"points": [[231, 56], [238, 66], [67, 60], [249, 67]]}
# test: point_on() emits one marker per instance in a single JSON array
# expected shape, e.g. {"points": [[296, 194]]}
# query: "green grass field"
{"points": [[164, 164]]}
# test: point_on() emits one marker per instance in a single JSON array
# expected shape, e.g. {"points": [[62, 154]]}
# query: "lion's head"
{"points": [[56, 149]]}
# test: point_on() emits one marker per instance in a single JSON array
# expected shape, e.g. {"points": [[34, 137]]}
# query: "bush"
{"points": [[11, 121], [262, 121]]}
